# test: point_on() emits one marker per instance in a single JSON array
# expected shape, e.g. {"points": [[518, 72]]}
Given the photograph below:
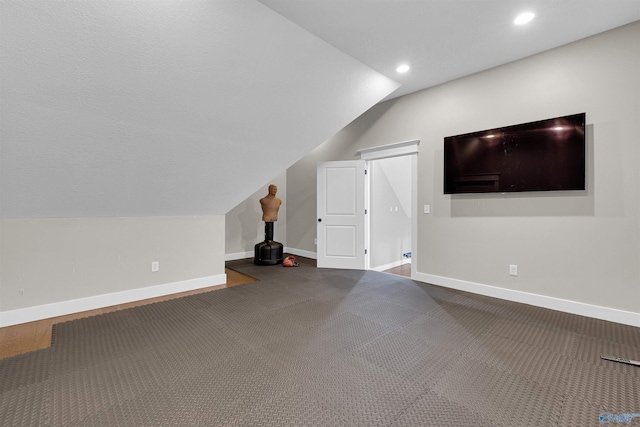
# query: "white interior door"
{"points": [[341, 215]]}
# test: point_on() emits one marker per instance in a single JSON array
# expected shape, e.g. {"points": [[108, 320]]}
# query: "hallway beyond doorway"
{"points": [[402, 270]]}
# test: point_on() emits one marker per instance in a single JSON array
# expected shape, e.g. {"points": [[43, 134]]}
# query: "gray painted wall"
{"points": [[53, 260], [577, 246]]}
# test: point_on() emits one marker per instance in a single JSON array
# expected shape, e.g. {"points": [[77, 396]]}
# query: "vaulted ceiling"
{"points": [[163, 107], [167, 107], [446, 39]]}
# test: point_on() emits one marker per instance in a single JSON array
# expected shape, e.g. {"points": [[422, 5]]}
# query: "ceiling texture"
{"points": [[163, 107]]}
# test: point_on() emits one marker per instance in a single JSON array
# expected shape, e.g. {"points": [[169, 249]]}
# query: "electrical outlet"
{"points": [[513, 270], [427, 209], [155, 266], [315, 241]]}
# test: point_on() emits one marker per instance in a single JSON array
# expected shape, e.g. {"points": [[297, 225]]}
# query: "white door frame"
{"points": [[405, 148]]}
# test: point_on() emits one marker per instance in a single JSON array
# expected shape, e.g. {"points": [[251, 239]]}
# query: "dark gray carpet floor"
{"points": [[305, 346]]}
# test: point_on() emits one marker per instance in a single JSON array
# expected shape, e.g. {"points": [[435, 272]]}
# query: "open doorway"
{"points": [[348, 244], [393, 197], [390, 201]]}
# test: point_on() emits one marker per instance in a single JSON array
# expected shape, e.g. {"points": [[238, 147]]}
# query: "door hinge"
{"points": [[365, 251], [365, 211], [365, 171]]}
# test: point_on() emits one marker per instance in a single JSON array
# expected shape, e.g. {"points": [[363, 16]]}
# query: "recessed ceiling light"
{"points": [[403, 68], [523, 18]]}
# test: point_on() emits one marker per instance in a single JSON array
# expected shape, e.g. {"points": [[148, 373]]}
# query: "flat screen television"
{"points": [[545, 155]]}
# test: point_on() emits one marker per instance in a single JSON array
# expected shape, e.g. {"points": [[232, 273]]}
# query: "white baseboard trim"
{"points": [[239, 255], [251, 254], [567, 306], [46, 311], [300, 252]]}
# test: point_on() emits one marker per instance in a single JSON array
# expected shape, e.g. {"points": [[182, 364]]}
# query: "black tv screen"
{"points": [[539, 156]]}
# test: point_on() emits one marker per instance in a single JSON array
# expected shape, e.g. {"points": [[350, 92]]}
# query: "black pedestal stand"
{"points": [[268, 252]]}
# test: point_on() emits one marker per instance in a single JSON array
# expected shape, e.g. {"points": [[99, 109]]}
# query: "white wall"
{"points": [[390, 209], [244, 225], [50, 267], [577, 251]]}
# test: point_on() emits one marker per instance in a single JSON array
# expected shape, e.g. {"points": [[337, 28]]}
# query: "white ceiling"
{"points": [[168, 107], [445, 39]]}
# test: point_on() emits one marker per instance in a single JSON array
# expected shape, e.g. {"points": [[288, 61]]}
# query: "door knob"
{"points": [[319, 219]]}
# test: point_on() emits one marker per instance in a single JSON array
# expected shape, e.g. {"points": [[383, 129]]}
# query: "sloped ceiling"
{"points": [[170, 107], [162, 107]]}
